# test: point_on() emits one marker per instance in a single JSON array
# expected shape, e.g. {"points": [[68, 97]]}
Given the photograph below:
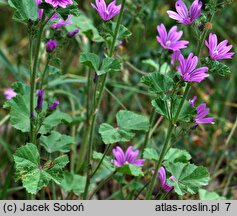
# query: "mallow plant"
{"points": [[59, 165]]}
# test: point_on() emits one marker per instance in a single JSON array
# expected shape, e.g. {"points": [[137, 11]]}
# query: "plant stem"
{"points": [[166, 144], [101, 184], [225, 147], [32, 80], [44, 73], [152, 119], [98, 101], [101, 161]]}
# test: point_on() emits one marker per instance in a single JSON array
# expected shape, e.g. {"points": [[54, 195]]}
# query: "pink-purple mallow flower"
{"points": [[73, 33], [54, 105], [183, 15], [106, 13], [40, 100], [218, 51], [60, 3], [175, 57], [188, 71], [51, 45], [170, 40], [60, 23], [129, 157], [163, 180], [41, 11], [202, 112], [9, 93]]}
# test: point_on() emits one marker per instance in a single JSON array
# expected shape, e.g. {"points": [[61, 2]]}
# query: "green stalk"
{"points": [[152, 119], [32, 80], [166, 144], [101, 161], [98, 102], [101, 184], [45, 72]]}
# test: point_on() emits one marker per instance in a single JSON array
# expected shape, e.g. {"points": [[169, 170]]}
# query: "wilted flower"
{"points": [[202, 111], [175, 56], [170, 41], [61, 3], [129, 157], [220, 51], [9, 93], [187, 69], [40, 100], [73, 33], [51, 45], [183, 15], [163, 180], [54, 105], [60, 23], [106, 13]]}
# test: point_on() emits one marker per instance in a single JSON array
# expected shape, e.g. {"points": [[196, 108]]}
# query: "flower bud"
{"points": [[51, 45]]}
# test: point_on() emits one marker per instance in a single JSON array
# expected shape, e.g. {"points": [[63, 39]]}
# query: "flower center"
{"points": [[168, 43], [107, 12]]}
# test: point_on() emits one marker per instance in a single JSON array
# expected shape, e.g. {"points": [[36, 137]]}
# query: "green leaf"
{"points": [[54, 120], [217, 67], [19, 112], [85, 24], [91, 60], [131, 121], [173, 155], [33, 175], [163, 107], [73, 183], [57, 142], [109, 65], [189, 177], [111, 135], [130, 169], [177, 155], [206, 195], [150, 154], [106, 161], [158, 83], [52, 70], [24, 10], [151, 63]]}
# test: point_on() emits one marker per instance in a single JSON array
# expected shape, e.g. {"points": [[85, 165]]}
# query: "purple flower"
{"points": [[187, 69], [61, 3], [220, 51], [54, 105], [9, 93], [202, 111], [73, 33], [40, 100], [170, 41], [192, 101], [175, 57], [183, 15], [60, 23], [163, 180], [51, 45], [106, 13], [40, 11], [129, 157]]}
